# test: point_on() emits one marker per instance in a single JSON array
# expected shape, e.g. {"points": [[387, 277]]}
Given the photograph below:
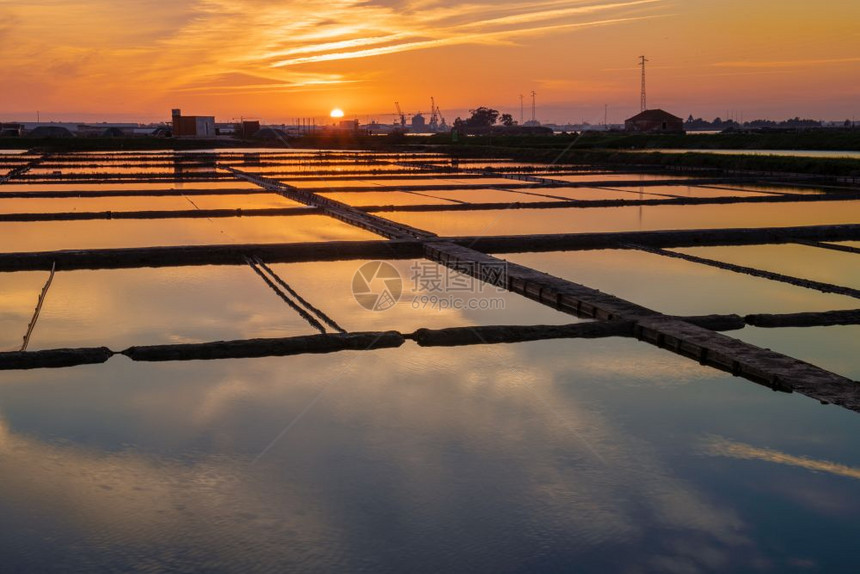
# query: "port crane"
{"points": [[442, 124], [437, 121], [400, 115], [434, 117]]}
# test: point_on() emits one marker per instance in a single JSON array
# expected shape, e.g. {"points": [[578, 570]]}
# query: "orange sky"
{"points": [[276, 60]]}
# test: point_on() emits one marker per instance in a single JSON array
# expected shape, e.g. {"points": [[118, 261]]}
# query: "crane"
{"points": [[400, 114], [443, 126], [434, 117]]}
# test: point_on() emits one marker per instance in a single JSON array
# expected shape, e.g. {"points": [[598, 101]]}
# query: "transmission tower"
{"points": [[643, 100], [533, 106]]}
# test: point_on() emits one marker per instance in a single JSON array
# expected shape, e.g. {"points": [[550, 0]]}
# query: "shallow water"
{"points": [[431, 297], [84, 187], [574, 455], [597, 193], [99, 234], [155, 203], [532, 457], [677, 287], [814, 263], [496, 196], [667, 217], [694, 191], [125, 307], [364, 199], [585, 178], [834, 348]]}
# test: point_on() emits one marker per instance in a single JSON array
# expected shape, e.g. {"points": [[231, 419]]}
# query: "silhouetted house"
{"points": [[193, 126], [654, 121], [113, 132], [50, 132], [247, 128], [10, 130]]}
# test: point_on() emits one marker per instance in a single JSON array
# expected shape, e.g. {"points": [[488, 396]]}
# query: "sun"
{"points": [[336, 113]]}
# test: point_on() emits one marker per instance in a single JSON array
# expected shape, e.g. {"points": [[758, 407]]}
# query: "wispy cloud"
{"points": [[719, 446], [494, 38], [147, 49], [802, 63], [431, 31], [271, 41]]}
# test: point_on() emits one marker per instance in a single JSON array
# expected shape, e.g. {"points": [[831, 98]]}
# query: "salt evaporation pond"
{"points": [[566, 455]]}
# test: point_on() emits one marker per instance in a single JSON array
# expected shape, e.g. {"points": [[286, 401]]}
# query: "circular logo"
{"points": [[377, 286]]}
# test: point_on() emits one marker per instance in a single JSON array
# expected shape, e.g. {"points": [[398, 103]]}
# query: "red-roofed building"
{"points": [[654, 121]]}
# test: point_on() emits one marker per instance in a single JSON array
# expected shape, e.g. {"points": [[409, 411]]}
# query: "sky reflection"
{"points": [[491, 454]]}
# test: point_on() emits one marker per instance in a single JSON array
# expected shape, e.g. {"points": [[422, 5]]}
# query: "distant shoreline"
{"points": [[691, 151]]}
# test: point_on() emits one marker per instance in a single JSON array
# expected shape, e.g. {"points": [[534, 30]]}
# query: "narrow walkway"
{"points": [[762, 366]]}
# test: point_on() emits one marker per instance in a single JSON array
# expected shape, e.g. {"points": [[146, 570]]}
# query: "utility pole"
{"points": [[642, 100], [605, 116], [521, 109]]}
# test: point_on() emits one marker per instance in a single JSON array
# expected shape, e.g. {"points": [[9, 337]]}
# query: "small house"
{"points": [[654, 121]]}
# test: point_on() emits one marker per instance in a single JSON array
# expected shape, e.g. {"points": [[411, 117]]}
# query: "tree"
{"points": [[482, 117], [507, 120]]}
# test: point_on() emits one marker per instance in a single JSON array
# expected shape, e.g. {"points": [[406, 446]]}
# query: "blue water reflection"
{"points": [[589, 456]]}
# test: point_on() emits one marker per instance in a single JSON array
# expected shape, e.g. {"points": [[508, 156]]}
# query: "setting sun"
{"points": [[336, 113]]}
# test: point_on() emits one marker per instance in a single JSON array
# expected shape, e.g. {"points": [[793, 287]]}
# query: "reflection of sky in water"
{"points": [[525, 221], [53, 235], [836, 348], [429, 295], [125, 307], [550, 455], [618, 177], [816, 264], [574, 455], [366, 198], [156, 203], [677, 287], [694, 191], [84, 187]]}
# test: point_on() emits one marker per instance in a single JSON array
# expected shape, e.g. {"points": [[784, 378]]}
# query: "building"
{"points": [[11, 129], [246, 129], [419, 123], [654, 121], [193, 126]]}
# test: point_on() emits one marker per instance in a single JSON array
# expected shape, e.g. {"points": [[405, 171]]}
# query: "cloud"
{"points": [[435, 30], [718, 446], [786, 63], [198, 45]]}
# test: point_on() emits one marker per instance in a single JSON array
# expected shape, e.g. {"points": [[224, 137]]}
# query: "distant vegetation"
{"points": [[610, 148], [487, 121], [718, 124], [481, 118], [823, 139]]}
